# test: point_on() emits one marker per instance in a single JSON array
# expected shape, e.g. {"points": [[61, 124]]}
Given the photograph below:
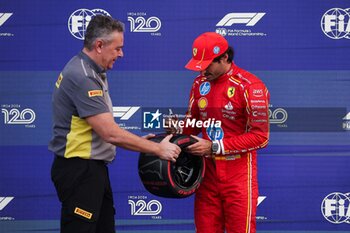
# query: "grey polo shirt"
{"points": [[81, 90]]}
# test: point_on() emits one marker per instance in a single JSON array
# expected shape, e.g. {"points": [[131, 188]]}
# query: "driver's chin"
{"points": [[210, 77], [110, 65]]}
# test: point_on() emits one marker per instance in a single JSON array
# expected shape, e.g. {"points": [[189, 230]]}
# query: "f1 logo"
{"points": [[4, 201], [124, 113], [4, 17], [249, 19]]}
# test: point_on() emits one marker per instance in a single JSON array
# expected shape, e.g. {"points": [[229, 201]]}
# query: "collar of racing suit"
{"points": [[231, 72]]}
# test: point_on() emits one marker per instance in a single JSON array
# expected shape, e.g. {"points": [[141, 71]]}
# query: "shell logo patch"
{"points": [[82, 213], [202, 103], [93, 93], [230, 92]]}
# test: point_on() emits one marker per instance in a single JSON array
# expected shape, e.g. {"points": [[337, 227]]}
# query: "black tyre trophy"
{"points": [[168, 179]]}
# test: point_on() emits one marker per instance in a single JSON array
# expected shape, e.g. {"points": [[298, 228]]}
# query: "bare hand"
{"points": [[168, 150], [200, 148], [148, 136], [170, 124]]}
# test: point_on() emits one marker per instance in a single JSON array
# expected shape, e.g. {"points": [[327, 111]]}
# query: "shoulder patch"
{"points": [[94, 93]]}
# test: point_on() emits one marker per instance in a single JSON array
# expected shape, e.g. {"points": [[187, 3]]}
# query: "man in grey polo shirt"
{"points": [[85, 133]]}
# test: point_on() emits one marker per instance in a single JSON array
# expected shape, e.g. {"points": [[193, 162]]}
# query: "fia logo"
{"points": [[151, 120], [221, 31], [80, 19], [335, 23], [335, 208], [142, 208], [141, 24], [17, 117]]}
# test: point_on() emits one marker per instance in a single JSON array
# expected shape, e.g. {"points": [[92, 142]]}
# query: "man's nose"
{"points": [[121, 53]]}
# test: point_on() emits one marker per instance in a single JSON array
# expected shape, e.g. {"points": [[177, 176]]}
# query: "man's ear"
{"points": [[225, 57], [98, 46]]}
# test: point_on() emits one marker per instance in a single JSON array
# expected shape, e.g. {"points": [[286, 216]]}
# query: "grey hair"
{"points": [[101, 26]]}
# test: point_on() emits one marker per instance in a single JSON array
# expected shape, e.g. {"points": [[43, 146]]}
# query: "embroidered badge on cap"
{"points": [[216, 50], [194, 51]]}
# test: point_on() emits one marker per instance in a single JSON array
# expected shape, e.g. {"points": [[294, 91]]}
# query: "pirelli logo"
{"points": [[83, 213], [95, 93]]}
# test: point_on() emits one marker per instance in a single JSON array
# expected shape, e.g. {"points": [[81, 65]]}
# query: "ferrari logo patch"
{"points": [[194, 51], [230, 92], [82, 213]]}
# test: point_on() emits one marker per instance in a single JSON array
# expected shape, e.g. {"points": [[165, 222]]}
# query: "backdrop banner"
{"points": [[300, 49]]}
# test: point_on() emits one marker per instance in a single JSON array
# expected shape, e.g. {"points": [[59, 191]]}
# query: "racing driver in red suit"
{"points": [[227, 197]]}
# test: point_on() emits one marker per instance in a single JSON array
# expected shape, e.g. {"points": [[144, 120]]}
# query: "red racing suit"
{"points": [[227, 197]]}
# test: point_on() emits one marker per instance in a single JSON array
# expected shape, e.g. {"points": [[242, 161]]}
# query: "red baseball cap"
{"points": [[205, 48]]}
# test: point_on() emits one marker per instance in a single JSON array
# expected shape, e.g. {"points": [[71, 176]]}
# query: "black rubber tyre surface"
{"points": [[168, 179]]}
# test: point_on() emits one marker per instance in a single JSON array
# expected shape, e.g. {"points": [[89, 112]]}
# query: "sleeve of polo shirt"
{"points": [[89, 98]]}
